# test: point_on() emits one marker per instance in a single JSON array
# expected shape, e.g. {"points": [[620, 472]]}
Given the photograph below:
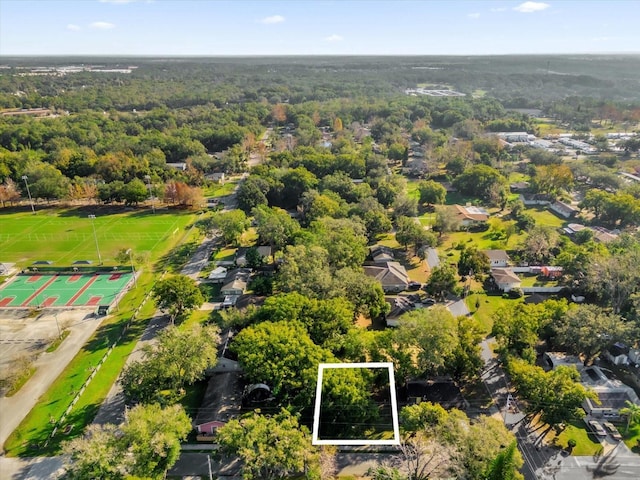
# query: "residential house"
{"points": [[505, 279], [564, 209], [440, 390], [399, 306], [497, 258], [182, 166], [263, 250], [560, 359], [218, 275], [470, 215], [208, 429], [218, 177], [618, 354], [381, 254], [612, 394], [235, 283], [519, 186], [391, 275]]}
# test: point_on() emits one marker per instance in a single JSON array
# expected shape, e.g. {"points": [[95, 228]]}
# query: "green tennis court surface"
{"points": [[63, 290]]}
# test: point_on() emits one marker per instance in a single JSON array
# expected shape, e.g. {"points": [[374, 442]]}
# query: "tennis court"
{"points": [[63, 290]]}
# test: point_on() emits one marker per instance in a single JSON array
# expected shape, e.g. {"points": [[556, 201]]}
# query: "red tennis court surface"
{"points": [[6, 301], [49, 301], [34, 278], [94, 300], [74, 278], [114, 277]]}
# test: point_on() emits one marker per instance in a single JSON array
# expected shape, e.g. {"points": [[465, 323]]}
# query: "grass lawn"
{"points": [[534, 281], [220, 190], [544, 217], [585, 443], [66, 235], [488, 304]]}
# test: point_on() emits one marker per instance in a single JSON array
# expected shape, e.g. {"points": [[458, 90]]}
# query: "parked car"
{"points": [[414, 285], [428, 302], [596, 428], [613, 431]]}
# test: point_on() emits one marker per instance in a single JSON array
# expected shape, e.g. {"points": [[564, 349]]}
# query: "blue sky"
{"points": [[309, 27]]}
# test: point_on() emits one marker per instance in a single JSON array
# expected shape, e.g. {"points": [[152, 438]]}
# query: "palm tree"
{"points": [[632, 411]]}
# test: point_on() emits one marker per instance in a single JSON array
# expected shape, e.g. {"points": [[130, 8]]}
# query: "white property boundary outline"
{"points": [[394, 405]]}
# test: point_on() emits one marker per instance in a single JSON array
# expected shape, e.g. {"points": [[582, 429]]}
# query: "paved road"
{"points": [[48, 367]]}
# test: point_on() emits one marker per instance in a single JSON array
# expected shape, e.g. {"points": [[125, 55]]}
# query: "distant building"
{"points": [[618, 354], [505, 279], [564, 209], [471, 215], [560, 359], [381, 254], [391, 275], [497, 258], [612, 394]]}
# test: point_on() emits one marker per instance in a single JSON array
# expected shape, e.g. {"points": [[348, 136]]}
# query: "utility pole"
{"points": [[95, 237], [25, 178], [133, 269], [153, 205]]}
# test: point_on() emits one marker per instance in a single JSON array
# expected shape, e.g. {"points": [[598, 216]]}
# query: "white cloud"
{"points": [[102, 25], [73, 27], [530, 7], [334, 38], [272, 19], [474, 15]]}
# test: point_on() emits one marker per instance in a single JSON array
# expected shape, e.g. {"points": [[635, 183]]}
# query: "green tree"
{"points": [[282, 355], [344, 239], [410, 232], [270, 447], [432, 333], [632, 412], [588, 330], [505, 465], [556, 396], [153, 435], [484, 182], [231, 225], [135, 192], [275, 227], [145, 445], [177, 295], [432, 192], [473, 260], [305, 270], [442, 280], [178, 358]]}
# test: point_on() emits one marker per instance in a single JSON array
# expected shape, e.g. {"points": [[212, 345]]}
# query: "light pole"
{"points": [[133, 269], [58, 325], [95, 237], [25, 178], [153, 205]]}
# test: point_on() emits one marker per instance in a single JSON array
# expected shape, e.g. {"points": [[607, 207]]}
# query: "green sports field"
{"points": [[64, 236]]}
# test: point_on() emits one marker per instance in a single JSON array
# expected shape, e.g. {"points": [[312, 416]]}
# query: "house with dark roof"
{"points": [[497, 258], [618, 354], [235, 283], [391, 275], [612, 394], [381, 254]]}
